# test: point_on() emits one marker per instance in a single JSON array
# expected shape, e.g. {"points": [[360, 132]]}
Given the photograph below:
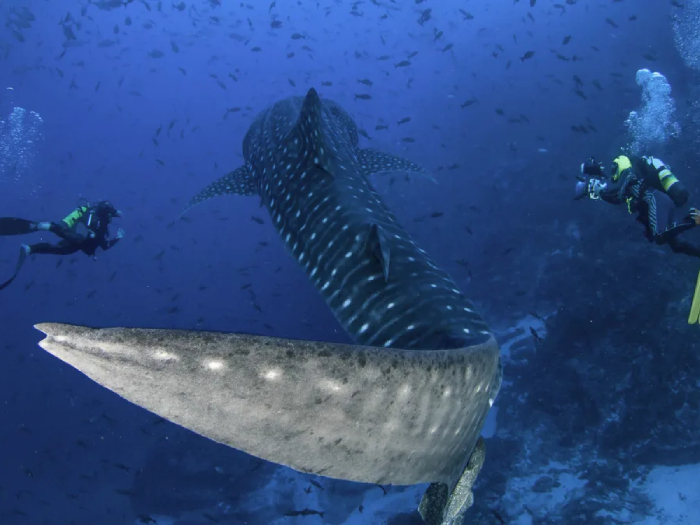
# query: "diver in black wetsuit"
{"points": [[85, 229], [651, 190]]}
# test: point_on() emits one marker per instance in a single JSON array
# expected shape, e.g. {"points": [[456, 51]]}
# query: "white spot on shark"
{"points": [[333, 386], [162, 355], [214, 365]]}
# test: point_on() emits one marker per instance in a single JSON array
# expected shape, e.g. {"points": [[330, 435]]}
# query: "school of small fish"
{"points": [[248, 28]]}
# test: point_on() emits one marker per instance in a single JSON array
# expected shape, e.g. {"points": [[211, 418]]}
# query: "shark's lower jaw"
{"points": [[364, 414]]}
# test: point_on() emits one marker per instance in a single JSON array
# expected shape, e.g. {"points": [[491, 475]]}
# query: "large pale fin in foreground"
{"points": [[350, 412]]}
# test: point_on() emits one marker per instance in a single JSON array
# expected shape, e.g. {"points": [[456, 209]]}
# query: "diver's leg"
{"points": [[660, 214], [62, 248], [63, 231], [663, 225], [679, 245], [15, 226], [672, 237]]}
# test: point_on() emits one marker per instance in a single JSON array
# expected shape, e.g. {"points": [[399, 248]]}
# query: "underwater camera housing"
{"points": [[592, 168]]}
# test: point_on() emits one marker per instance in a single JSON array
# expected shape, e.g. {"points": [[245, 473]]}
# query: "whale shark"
{"points": [[403, 405], [302, 160]]}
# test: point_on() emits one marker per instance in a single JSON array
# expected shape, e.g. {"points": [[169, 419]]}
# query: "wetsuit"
{"points": [[655, 209], [86, 229], [95, 223]]}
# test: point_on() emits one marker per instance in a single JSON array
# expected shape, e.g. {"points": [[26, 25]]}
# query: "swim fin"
{"points": [[14, 226], [694, 316], [23, 252]]}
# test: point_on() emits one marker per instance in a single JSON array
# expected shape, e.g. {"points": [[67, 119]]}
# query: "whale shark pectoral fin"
{"points": [[432, 504], [378, 245], [462, 496], [440, 507], [373, 162], [237, 182]]}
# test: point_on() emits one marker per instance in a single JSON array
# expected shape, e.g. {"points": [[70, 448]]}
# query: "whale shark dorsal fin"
{"points": [[240, 181], [374, 162], [307, 137], [378, 245]]}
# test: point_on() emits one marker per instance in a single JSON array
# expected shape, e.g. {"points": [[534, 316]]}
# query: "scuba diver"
{"points": [[651, 190], [85, 229]]}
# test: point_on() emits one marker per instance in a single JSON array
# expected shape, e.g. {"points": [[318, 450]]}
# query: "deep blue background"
{"points": [[97, 143]]}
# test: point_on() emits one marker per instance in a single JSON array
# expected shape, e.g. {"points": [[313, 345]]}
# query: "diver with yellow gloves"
{"points": [[654, 193], [85, 229]]}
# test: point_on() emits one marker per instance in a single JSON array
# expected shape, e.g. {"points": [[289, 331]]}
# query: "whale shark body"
{"points": [[405, 405], [303, 161]]}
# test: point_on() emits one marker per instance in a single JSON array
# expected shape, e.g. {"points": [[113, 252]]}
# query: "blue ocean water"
{"points": [[144, 103]]}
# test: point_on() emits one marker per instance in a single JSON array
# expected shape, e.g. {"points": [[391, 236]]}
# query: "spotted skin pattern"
{"points": [[303, 161]]}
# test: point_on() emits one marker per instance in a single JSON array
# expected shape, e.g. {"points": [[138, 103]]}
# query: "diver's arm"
{"points": [[593, 184], [106, 244], [595, 189], [614, 194], [623, 189]]}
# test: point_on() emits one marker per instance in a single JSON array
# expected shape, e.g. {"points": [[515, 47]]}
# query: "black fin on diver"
{"points": [[378, 244], [15, 226], [20, 263]]}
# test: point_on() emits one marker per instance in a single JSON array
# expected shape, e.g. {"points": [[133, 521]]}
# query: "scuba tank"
{"points": [[82, 219]]}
